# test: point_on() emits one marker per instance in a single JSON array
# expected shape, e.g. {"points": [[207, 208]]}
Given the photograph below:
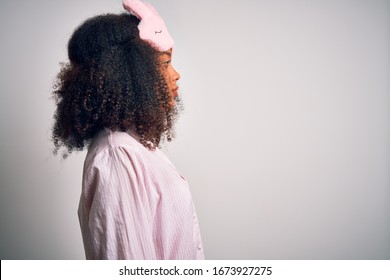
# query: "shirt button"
{"points": [[199, 247]]}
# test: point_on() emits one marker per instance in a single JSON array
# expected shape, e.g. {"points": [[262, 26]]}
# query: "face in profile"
{"points": [[171, 75]]}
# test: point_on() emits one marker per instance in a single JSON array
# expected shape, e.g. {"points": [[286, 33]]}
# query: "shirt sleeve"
{"points": [[118, 207]]}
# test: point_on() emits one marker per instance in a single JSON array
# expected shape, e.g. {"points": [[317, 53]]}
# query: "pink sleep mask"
{"points": [[151, 27]]}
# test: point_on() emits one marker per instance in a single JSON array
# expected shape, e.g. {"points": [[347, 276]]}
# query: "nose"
{"points": [[176, 75]]}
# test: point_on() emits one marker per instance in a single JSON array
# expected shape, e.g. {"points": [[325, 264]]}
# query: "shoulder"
{"points": [[114, 153], [112, 149], [107, 142]]}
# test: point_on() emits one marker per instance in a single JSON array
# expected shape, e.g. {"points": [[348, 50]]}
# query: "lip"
{"points": [[175, 91]]}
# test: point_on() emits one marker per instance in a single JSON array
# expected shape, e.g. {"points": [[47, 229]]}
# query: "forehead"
{"points": [[166, 54]]}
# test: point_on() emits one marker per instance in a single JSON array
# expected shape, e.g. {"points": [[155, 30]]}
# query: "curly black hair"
{"points": [[113, 80]]}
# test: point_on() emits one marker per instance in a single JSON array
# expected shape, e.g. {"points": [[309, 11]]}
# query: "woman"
{"points": [[118, 97]]}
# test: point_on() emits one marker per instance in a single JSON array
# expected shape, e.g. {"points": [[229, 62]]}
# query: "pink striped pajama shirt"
{"points": [[134, 203]]}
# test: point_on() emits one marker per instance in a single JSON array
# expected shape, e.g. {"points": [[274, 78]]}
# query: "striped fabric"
{"points": [[134, 203]]}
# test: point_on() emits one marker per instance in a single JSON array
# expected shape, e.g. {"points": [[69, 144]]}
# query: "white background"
{"points": [[284, 139]]}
